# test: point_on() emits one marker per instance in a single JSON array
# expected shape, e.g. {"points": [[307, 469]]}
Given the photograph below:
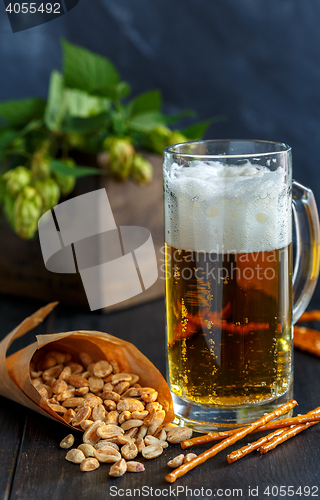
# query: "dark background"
{"points": [[257, 62]]}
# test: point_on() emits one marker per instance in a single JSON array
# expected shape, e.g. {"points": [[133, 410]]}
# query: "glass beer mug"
{"points": [[230, 281]]}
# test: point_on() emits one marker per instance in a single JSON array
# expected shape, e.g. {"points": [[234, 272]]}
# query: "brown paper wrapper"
{"points": [[15, 382]]}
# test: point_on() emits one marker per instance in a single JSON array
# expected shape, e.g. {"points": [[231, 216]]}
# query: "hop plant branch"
{"points": [[87, 110]]}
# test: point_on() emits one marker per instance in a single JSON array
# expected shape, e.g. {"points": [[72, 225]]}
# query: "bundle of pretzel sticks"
{"points": [[285, 429]]}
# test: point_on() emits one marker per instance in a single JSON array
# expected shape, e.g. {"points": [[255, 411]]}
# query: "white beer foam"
{"points": [[211, 207]]}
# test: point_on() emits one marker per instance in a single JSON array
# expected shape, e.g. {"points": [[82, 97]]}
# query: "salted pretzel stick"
{"points": [[184, 468], [307, 339], [309, 316], [286, 434], [276, 424], [245, 450], [311, 417]]}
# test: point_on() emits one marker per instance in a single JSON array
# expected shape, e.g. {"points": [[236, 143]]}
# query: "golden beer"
{"points": [[229, 325], [229, 277]]}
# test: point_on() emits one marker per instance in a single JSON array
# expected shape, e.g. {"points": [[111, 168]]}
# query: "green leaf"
{"points": [[19, 112], [59, 167], [56, 105], [85, 70], [198, 130], [178, 116], [6, 137], [145, 103], [145, 122], [82, 105], [114, 92], [86, 125]]}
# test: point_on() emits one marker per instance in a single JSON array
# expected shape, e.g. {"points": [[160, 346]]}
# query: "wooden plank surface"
{"points": [[33, 466]]}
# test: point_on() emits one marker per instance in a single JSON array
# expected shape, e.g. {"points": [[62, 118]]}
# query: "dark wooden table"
{"points": [[32, 466]]}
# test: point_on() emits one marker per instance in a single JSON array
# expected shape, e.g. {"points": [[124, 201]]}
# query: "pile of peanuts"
{"points": [[119, 417]]}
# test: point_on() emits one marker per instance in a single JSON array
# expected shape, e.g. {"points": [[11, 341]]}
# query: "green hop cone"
{"points": [[40, 167], [141, 170], [176, 138], [50, 193], [17, 179], [121, 154], [76, 140], [158, 139], [66, 183], [27, 211]]}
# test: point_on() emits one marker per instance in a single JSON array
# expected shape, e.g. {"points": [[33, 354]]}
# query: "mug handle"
{"points": [[306, 268]]}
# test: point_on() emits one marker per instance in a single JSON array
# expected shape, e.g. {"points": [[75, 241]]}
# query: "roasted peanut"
{"points": [[53, 372], [85, 359], [59, 386], [152, 451], [129, 404], [81, 391], [67, 442], [123, 439], [142, 432], [73, 402], [110, 405], [82, 414], [87, 449], [157, 421], [135, 467], [65, 395], [140, 415], [75, 368], [76, 456], [118, 469], [129, 451], [125, 415], [179, 434], [108, 387], [107, 431], [89, 464], [131, 423], [68, 415], [98, 413], [176, 461], [140, 444], [121, 387], [189, 457], [112, 417], [107, 455], [48, 362], [60, 357], [105, 442], [152, 440], [134, 379], [78, 381], [65, 374], [111, 395], [57, 408], [84, 426], [115, 366], [120, 377], [148, 394], [91, 435], [96, 384], [102, 369]]}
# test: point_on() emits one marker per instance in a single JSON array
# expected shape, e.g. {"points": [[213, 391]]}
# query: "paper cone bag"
{"points": [[15, 382]]}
